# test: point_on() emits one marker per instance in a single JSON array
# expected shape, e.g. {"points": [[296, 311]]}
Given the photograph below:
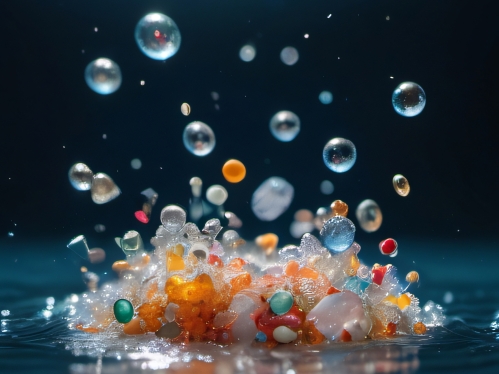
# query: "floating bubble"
{"points": [[337, 234], [326, 97], [247, 53], [327, 187], [215, 95], [103, 189], [199, 138], [285, 125], [408, 99], [272, 198], [339, 155], [136, 164], [216, 194], [401, 185], [185, 109], [81, 177], [103, 76], [99, 228], [173, 218], [369, 215], [157, 36], [289, 56], [234, 171]]}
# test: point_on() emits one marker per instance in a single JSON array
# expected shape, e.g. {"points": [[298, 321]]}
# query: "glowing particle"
{"points": [[284, 125], [306, 36], [96, 29], [369, 215], [123, 311], [199, 138], [142, 83], [10, 234], [419, 328], [326, 97], [272, 198], [216, 194], [79, 246], [448, 297], [234, 171], [136, 164], [339, 155], [388, 247], [247, 53], [408, 99], [267, 242], [80, 177], [401, 185], [103, 76], [185, 109], [284, 334], [215, 96], [337, 234], [339, 208], [99, 228], [281, 302], [173, 218], [5, 313], [387, 18], [412, 277], [289, 56], [329, 16], [327, 187], [103, 189], [157, 36]]}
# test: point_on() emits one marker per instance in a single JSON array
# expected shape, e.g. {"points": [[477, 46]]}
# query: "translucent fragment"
{"points": [[289, 56], [170, 311], [216, 194], [79, 246], [326, 97], [196, 184], [339, 155], [199, 138], [369, 215], [401, 185], [408, 99], [337, 234], [157, 36], [96, 255], [272, 198], [234, 220], [103, 189], [432, 314], [131, 243], [103, 76], [247, 53], [173, 218], [185, 109], [285, 126], [81, 177]]}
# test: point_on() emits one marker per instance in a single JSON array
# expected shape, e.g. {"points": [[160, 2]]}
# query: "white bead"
{"points": [[284, 334]]}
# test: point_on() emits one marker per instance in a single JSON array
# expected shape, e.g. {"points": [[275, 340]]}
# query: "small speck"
{"points": [[10, 234], [96, 29], [161, 168], [217, 107], [387, 18], [142, 83], [329, 16], [82, 51], [458, 230], [338, 58], [104, 136], [391, 77], [63, 146], [306, 36]]}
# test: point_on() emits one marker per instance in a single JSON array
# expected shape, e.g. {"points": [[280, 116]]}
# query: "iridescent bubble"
{"points": [[136, 164], [285, 125], [173, 218], [326, 97], [408, 99], [103, 189], [247, 53], [103, 76], [327, 187], [80, 177], [337, 234], [199, 138], [272, 198], [289, 56], [369, 215], [339, 155], [157, 36]]}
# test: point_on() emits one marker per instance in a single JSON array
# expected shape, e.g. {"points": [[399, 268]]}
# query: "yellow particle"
{"points": [[401, 185], [174, 262], [339, 208], [185, 109], [419, 328], [354, 265], [83, 269], [268, 242], [391, 299], [412, 277], [403, 301]]}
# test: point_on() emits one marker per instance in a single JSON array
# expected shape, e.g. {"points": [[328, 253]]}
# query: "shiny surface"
{"points": [[408, 99], [157, 36], [339, 155], [285, 126], [80, 176], [103, 189], [103, 76], [369, 215], [199, 138]]}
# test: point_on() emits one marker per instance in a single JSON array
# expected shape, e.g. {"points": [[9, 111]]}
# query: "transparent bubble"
{"points": [[80, 177], [369, 215], [272, 198], [327, 187], [401, 185], [247, 53], [216, 194], [103, 76], [337, 234], [157, 36], [103, 189], [339, 155], [326, 97], [136, 164], [408, 99], [285, 125], [199, 138], [173, 218], [289, 56]]}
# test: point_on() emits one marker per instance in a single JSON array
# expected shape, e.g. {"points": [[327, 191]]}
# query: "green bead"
{"points": [[281, 302], [123, 311]]}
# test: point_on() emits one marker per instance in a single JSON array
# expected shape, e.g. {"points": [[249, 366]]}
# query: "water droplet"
{"points": [[289, 56], [272, 198], [199, 138], [408, 99], [80, 177], [173, 218], [216, 194], [247, 53], [103, 189], [337, 234], [401, 185], [285, 126], [157, 36], [369, 215], [327, 187], [339, 155], [136, 164], [326, 97], [185, 109], [103, 76]]}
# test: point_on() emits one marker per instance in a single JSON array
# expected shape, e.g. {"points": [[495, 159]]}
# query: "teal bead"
{"points": [[123, 311], [281, 302]]}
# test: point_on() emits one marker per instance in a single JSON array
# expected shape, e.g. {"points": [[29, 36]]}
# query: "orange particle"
{"points": [[234, 171], [331, 290], [91, 330], [306, 272], [345, 336], [292, 268], [174, 262], [237, 263], [133, 327], [404, 301], [152, 291], [339, 208], [268, 242], [239, 283], [419, 328], [311, 334], [120, 266], [390, 329]]}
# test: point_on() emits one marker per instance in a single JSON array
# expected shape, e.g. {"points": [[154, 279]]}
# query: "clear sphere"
{"points": [[289, 56], [157, 36], [369, 215], [272, 198], [339, 155], [80, 177], [247, 53], [327, 187], [199, 138], [326, 97], [173, 218], [136, 163], [285, 125], [408, 99], [337, 234], [103, 76]]}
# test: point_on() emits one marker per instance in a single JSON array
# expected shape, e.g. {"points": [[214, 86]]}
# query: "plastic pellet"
{"points": [[284, 334], [281, 302], [123, 311], [234, 171]]}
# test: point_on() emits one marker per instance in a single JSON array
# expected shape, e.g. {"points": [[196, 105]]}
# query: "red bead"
{"points": [[215, 260], [141, 216], [378, 274], [388, 246]]}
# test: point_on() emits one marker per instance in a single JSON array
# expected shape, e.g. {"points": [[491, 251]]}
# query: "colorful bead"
{"points": [[388, 247], [123, 311], [284, 334], [281, 302], [419, 328], [234, 171], [412, 277], [260, 337], [339, 208]]}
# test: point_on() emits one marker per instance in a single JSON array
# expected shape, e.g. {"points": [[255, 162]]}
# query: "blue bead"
{"points": [[281, 302], [260, 337]]}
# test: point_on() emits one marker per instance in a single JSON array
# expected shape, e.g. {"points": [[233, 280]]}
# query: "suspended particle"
{"points": [[408, 99], [199, 138], [131, 243], [99, 228], [79, 246], [285, 125], [327, 187], [136, 164], [303, 215], [289, 56], [90, 279], [401, 185], [196, 184], [169, 330], [234, 171], [103, 189], [369, 215], [297, 229], [419, 328], [267, 242], [173, 218], [215, 96], [247, 53], [281, 302], [326, 97], [96, 255], [123, 311], [339, 155], [412, 277], [388, 247], [216, 194], [80, 177], [10, 234], [339, 208], [103, 76], [151, 197], [157, 36], [272, 198], [231, 239], [337, 234], [234, 220], [185, 109]]}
